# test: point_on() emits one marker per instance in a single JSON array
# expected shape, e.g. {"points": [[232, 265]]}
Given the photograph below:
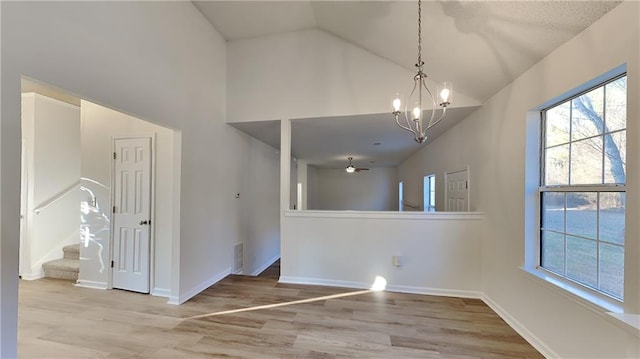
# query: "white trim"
{"points": [[390, 288], [91, 284], [183, 297], [628, 322], [439, 292], [538, 344], [433, 216], [161, 292], [593, 302], [33, 276], [324, 282], [173, 300], [265, 266]]}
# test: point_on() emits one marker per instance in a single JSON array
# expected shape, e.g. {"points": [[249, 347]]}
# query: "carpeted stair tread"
{"points": [[71, 251]]}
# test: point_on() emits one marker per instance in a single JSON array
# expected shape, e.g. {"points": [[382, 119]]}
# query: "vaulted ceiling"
{"points": [[481, 46]]}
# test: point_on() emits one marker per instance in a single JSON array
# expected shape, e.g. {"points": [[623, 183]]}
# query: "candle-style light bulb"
{"points": [[397, 103], [417, 113], [445, 94]]}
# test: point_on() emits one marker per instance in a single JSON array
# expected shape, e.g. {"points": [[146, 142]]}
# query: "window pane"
{"points": [[586, 161], [553, 211], [552, 252], [581, 261], [432, 189], [582, 214], [612, 223], [615, 159], [557, 122], [616, 106], [557, 165], [587, 115], [611, 269]]}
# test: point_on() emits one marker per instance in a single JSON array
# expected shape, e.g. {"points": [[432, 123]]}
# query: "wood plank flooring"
{"points": [[58, 320]]}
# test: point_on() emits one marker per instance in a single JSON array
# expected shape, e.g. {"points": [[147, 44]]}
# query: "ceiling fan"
{"points": [[351, 168]]}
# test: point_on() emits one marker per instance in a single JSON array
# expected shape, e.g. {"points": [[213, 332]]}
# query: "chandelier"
{"points": [[421, 99]]}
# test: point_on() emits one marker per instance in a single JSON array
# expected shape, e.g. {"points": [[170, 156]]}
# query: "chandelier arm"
{"points": [[444, 110], [402, 126], [433, 104]]}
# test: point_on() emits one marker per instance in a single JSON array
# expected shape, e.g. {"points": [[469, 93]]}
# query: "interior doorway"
{"points": [[132, 184], [457, 191]]}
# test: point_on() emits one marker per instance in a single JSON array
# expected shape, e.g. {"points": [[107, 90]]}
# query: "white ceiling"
{"points": [[480, 46]]}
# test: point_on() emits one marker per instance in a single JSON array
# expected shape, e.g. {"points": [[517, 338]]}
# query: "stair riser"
{"points": [[67, 267], [71, 255], [60, 274]]}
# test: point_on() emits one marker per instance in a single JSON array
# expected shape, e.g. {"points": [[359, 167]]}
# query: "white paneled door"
{"points": [[457, 191], [131, 213]]}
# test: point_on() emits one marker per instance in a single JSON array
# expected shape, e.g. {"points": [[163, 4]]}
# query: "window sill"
{"points": [[610, 309], [573, 291]]}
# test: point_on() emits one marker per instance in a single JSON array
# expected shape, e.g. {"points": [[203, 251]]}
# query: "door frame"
{"points": [[446, 187], [152, 207]]}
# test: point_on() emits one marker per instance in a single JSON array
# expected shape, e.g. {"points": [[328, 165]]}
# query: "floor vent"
{"points": [[238, 257]]}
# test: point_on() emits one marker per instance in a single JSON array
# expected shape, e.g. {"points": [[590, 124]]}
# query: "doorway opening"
{"points": [[71, 170]]}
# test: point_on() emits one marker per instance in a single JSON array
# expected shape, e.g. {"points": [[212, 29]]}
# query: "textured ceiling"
{"points": [[481, 46]]}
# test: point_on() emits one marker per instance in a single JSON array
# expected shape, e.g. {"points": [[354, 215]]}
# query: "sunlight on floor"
{"points": [[379, 284]]}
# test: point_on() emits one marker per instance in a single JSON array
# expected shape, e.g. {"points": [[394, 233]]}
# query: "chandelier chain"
{"points": [[419, 64]]}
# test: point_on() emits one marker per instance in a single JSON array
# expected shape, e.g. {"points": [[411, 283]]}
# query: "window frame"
{"points": [[568, 188], [429, 194]]}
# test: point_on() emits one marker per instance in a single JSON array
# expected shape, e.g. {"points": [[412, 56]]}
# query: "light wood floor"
{"points": [[58, 320]]}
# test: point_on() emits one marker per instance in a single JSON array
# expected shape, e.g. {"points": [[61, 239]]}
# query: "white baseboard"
{"points": [[183, 297], [266, 265], [390, 288], [33, 276], [520, 329], [324, 282], [161, 292], [173, 300], [91, 284], [435, 291]]}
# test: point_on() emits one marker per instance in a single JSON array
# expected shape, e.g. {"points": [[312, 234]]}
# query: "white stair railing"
{"points": [[46, 204]]}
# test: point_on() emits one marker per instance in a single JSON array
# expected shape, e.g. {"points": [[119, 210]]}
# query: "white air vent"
{"points": [[238, 258]]}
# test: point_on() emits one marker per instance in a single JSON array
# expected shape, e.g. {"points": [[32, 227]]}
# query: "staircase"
{"points": [[67, 267]]}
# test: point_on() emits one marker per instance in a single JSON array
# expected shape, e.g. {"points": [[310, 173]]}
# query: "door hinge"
{"points": [[466, 184], [114, 155], [112, 264], [113, 210]]}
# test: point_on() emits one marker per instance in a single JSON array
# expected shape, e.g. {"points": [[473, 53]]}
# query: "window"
{"points": [[582, 188], [401, 196], [429, 191]]}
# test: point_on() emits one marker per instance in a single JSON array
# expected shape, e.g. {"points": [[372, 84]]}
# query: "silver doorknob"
{"points": [[142, 223]]}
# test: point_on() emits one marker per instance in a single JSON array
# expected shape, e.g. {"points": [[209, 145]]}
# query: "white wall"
{"points": [[373, 190], [162, 62], [51, 134], [310, 74], [492, 141], [440, 253], [312, 187], [258, 210], [99, 126]]}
